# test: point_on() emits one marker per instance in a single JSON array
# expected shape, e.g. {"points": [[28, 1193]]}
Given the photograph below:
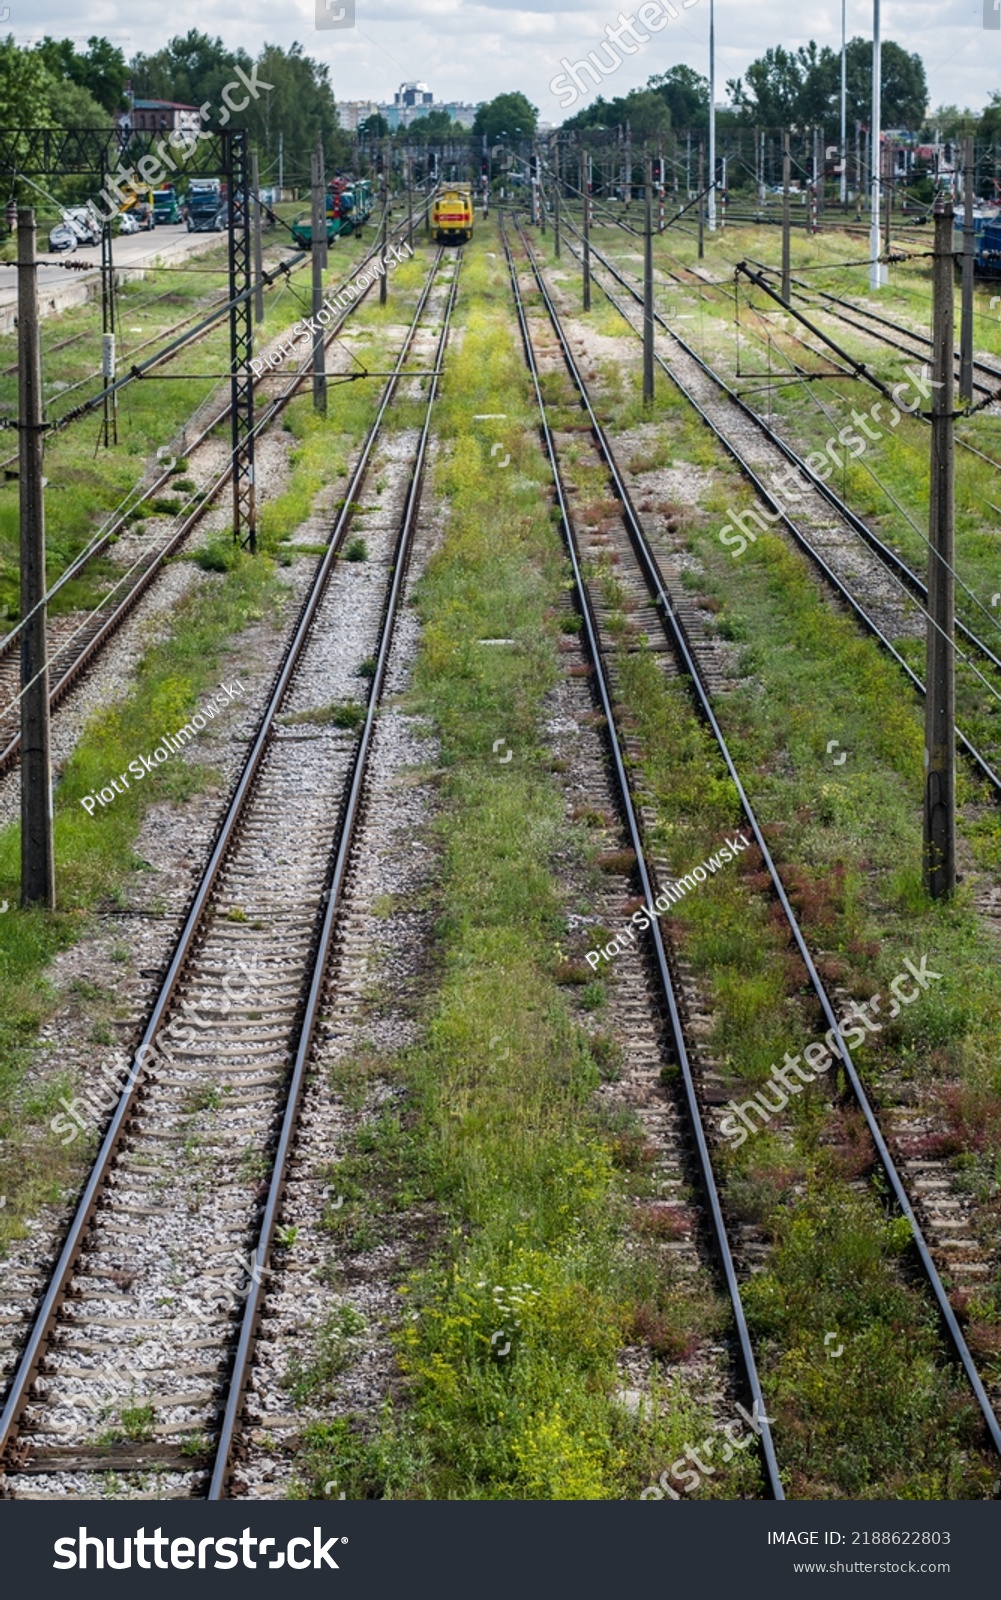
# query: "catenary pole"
{"points": [[940, 701], [966, 319], [38, 877]]}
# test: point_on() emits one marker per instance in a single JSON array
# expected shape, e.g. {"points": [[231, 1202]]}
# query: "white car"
{"points": [[128, 223], [62, 237]]}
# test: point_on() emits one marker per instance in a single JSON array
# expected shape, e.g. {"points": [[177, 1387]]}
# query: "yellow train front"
{"points": [[452, 216]]}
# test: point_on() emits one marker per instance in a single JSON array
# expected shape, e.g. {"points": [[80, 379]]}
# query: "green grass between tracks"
{"points": [[848, 840], [95, 855], [499, 1126]]}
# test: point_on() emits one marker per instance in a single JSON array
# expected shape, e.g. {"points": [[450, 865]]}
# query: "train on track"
{"points": [[986, 241], [452, 215], [348, 206]]}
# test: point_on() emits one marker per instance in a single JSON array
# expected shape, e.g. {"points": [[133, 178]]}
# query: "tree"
{"points": [[903, 85], [509, 115], [801, 88], [686, 94], [433, 126], [98, 76], [645, 111], [24, 87], [374, 127], [300, 104], [191, 69], [72, 106]]}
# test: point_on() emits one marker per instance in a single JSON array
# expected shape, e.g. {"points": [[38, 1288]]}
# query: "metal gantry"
{"points": [[97, 152]]}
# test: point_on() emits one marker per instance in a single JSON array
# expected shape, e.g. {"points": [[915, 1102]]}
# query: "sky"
{"points": [[471, 50]]}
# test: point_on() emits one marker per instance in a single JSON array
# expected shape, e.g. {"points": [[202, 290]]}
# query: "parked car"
{"points": [[128, 223], [81, 219], [62, 237]]}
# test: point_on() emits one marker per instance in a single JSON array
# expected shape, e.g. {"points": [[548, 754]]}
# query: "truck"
{"points": [[206, 206], [166, 208]]}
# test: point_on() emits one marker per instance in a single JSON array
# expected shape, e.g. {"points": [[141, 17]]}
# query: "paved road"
{"points": [[59, 288]]}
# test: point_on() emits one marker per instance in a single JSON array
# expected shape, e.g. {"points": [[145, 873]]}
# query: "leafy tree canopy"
{"points": [[509, 115], [801, 88]]}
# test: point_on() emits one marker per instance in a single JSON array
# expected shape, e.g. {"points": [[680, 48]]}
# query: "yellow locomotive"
{"points": [[452, 215]]}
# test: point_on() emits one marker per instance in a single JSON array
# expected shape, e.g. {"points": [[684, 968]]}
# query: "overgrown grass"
{"points": [[510, 1348]]}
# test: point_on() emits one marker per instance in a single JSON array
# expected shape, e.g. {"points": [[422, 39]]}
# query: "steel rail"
{"points": [[663, 965], [80, 562], [115, 618], [675, 631], [93, 1192], [830, 576], [253, 1304], [872, 316]]}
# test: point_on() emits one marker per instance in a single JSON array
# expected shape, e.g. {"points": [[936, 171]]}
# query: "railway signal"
{"points": [[38, 874]]}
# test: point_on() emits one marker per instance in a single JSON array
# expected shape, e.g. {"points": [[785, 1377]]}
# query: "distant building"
{"points": [[161, 116], [460, 111], [410, 102], [352, 112], [409, 95]]}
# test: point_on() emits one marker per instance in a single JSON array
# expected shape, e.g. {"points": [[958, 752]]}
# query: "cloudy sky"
{"points": [[474, 49]]}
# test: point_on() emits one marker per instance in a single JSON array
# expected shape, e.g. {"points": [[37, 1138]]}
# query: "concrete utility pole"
{"points": [[383, 243], [702, 198], [585, 187], [281, 166], [255, 184], [712, 118], [38, 873], [109, 428], [410, 200], [556, 199], [966, 319], [940, 703], [319, 235], [877, 272], [648, 290], [323, 201], [844, 103], [786, 217]]}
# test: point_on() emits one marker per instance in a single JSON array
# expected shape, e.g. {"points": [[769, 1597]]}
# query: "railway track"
{"points": [[690, 655], [153, 1307], [75, 645], [879, 588], [872, 324]]}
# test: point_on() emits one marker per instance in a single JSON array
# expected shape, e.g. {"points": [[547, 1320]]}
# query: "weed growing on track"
{"points": [[83, 487], [95, 857], [856, 1427], [509, 1349]]}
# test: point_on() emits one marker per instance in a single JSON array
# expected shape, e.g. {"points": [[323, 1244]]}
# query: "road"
{"points": [[60, 287]]}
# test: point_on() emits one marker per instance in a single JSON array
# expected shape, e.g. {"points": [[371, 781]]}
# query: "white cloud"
{"points": [[474, 49]]}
